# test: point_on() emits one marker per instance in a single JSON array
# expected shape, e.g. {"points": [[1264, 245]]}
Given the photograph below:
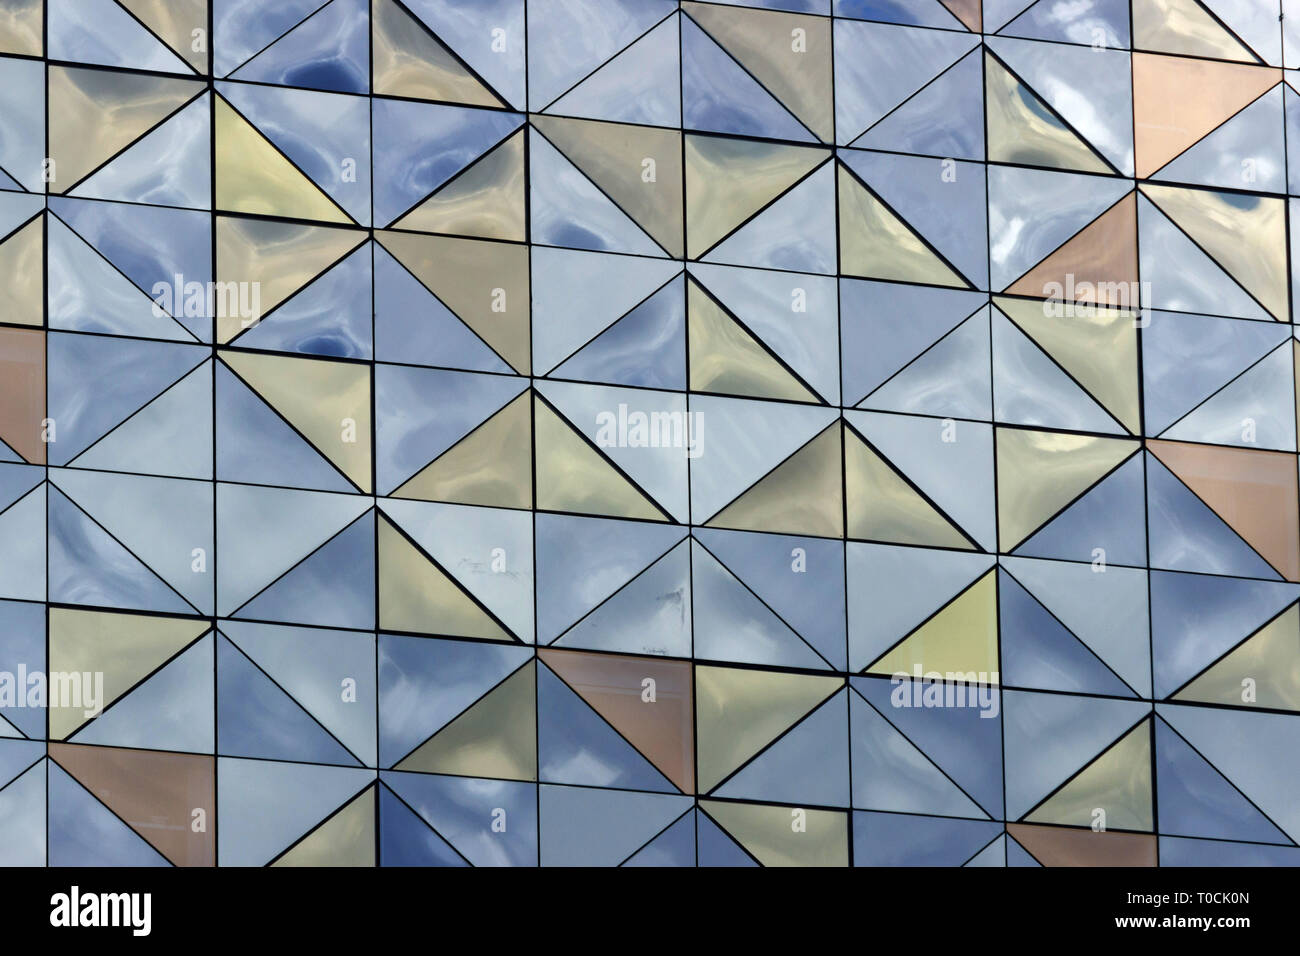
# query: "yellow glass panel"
{"points": [[770, 833], [415, 595], [95, 114], [492, 465], [410, 61], [174, 21], [1041, 472], [1245, 234], [639, 167], [738, 712], [882, 506], [123, 647], [788, 53], [276, 258], [252, 176], [728, 180], [22, 270], [484, 283], [726, 358], [800, 496], [485, 201], [1183, 26], [345, 839], [1021, 128], [329, 402], [21, 27], [573, 476], [875, 243], [496, 737], [1118, 782], [1099, 349], [1269, 659], [960, 639]]}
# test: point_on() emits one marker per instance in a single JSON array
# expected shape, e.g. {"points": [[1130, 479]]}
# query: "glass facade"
{"points": [[649, 433]]}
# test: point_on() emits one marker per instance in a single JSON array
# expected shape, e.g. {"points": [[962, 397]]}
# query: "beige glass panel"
{"points": [[95, 114], [876, 244], [484, 283], [726, 358], [345, 839], [174, 21], [638, 167], [1039, 473], [573, 476], [960, 639], [1269, 659], [1295, 365], [154, 792], [1254, 491], [1245, 234], [22, 271], [328, 402], [884, 507], [968, 12], [1102, 254], [415, 595], [496, 737], [1022, 129], [738, 712], [408, 60], [729, 180], [123, 647], [767, 833], [1118, 782], [492, 465], [790, 54], [22, 392], [663, 730], [21, 27], [485, 201], [802, 495], [1062, 846], [252, 176], [1167, 120], [1096, 346], [275, 258], [1183, 26]]}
